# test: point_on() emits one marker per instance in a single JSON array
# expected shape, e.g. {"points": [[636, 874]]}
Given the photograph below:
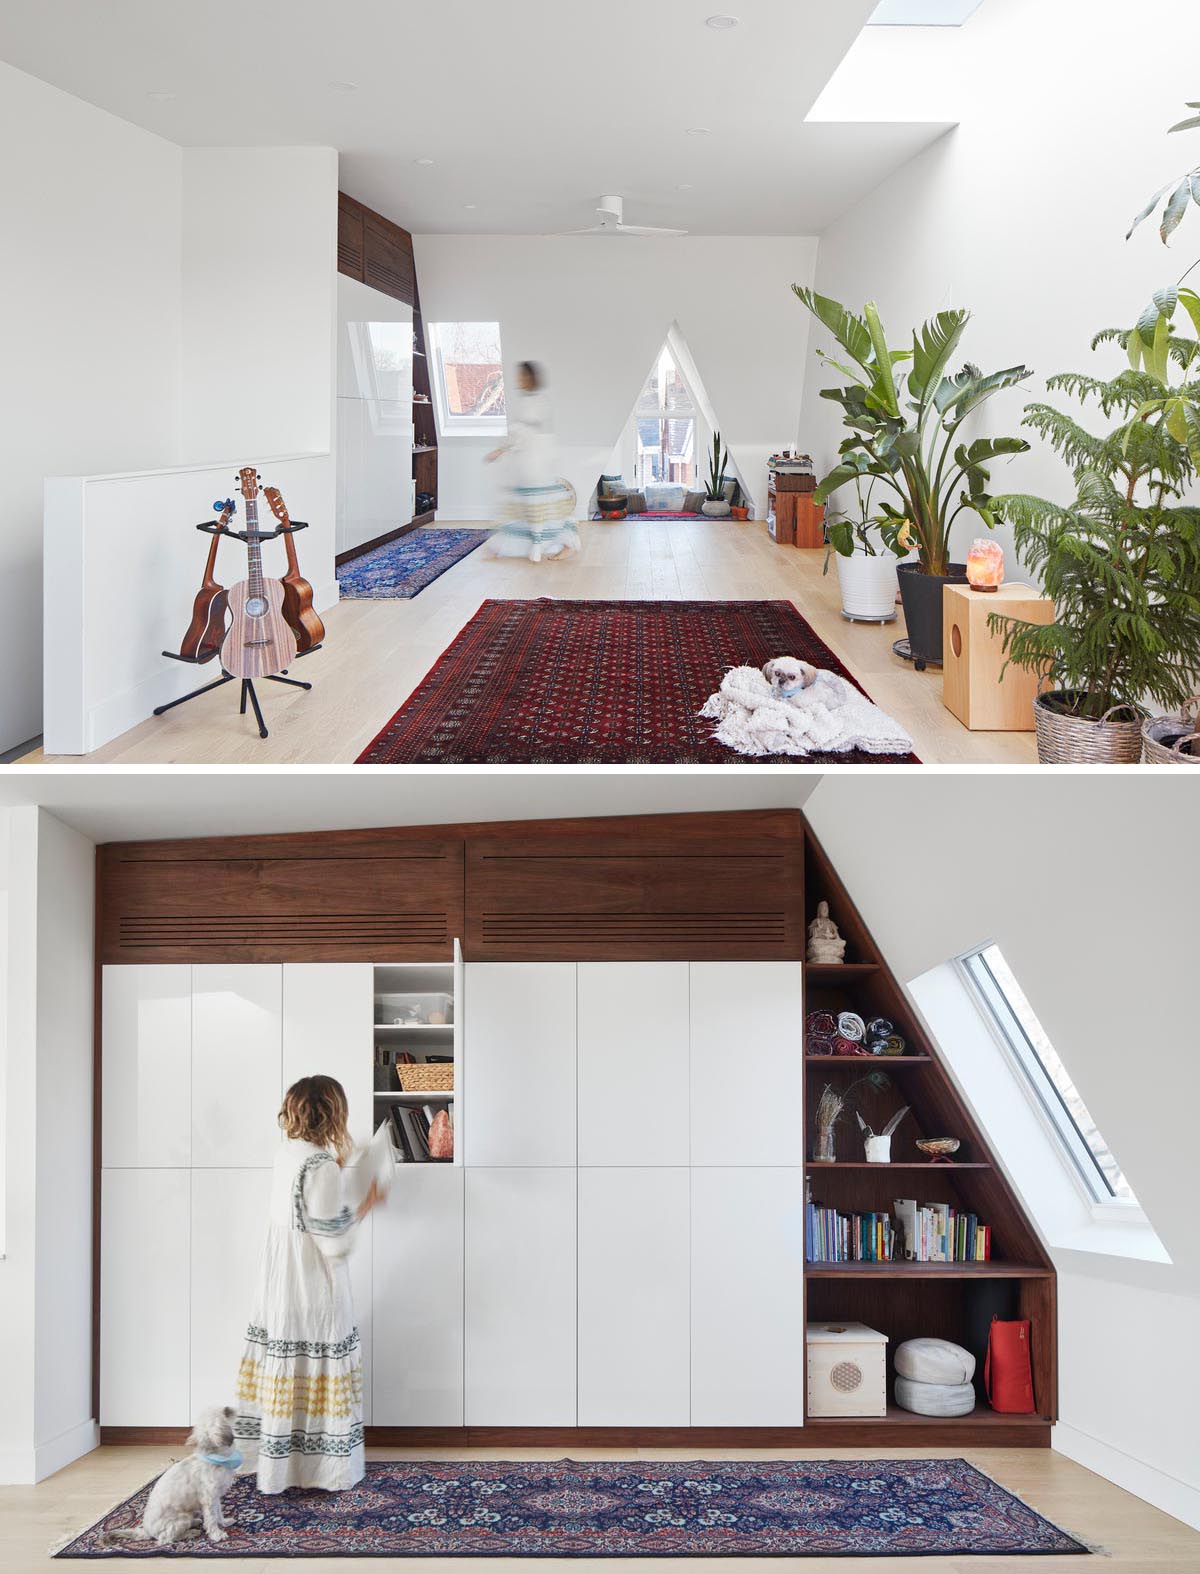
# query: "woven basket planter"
{"points": [[1163, 737], [423, 1078], [1073, 740]]}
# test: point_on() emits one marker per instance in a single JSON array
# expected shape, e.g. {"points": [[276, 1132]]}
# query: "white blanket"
{"points": [[830, 716]]}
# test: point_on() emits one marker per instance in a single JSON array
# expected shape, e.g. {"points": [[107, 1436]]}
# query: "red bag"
{"points": [[1007, 1375]]}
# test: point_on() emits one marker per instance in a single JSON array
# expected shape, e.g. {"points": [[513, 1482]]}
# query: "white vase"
{"points": [[869, 587], [715, 508]]}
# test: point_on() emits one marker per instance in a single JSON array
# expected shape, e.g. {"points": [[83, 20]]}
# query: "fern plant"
{"points": [[1121, 561], [716, 470]]}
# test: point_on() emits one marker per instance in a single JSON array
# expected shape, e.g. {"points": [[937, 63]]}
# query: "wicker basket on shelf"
{"points": [[425, 1076]]}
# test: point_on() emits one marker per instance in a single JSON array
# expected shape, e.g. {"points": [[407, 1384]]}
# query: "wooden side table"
{"points": [[972, 657], [799, 521]]}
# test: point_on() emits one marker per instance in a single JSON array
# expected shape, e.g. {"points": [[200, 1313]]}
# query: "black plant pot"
{"points": [[922, 598]]}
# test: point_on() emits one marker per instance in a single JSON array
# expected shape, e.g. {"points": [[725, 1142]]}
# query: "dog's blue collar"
{"points": [[797, 688], [229, 1461]]}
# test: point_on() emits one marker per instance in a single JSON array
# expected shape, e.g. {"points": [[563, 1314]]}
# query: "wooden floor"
{"points": [[378, 651], [1128, 1532]]}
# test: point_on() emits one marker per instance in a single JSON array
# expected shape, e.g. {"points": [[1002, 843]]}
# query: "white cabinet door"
{"points": [[747, 1063], [144, 1306], [229, 1230], [236, 1064], [747, 1297], [520, 1297], [146, 1033], [634, 1297], [633, 1063], [519, 1051], [417, 1299], [328, 1015]]}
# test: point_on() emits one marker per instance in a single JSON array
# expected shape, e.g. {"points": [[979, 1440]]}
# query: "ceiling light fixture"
{"points": [[160, 97], [685, 187], [696, 131], [469, 204], [422, 161], [344, 87], [721, 24]]}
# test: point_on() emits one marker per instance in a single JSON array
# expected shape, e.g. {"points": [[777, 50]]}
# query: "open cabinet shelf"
{"points": [[421, 988], [904, 1299]]}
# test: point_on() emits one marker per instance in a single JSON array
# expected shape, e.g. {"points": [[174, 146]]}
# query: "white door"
{"points": [[519, 1053], [144, 1304], [633, 1063], [229, 1230], [520, 1297], [236, 1064], [747, 1063], [417, 1299], [747, 1297], [634, 1297], [328, 1015], [146, 1033]]}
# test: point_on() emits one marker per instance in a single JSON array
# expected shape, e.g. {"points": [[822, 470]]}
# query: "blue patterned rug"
{"points": [[400, 570], [621, 1508]]}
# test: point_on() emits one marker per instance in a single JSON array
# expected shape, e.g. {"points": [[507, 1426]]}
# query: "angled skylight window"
{"points": [[922, 13], [1048, 1079]]}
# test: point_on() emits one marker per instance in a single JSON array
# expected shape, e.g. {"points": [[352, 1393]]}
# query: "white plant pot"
{"points": [[715, 508], [869, 587]]}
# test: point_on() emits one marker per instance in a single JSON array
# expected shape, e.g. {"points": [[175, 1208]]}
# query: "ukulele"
{"points": [[297, 592], [259, 642], [207, 628]]}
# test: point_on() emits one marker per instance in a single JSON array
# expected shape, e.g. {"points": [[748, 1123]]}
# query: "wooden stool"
{"points": [[972, 657]]}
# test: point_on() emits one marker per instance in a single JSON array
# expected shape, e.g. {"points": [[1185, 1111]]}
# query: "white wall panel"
{"points": [[147, 1037], [228, 1234], [327, 1028], [519, 1098], [236, 1063], [633, 1063]]}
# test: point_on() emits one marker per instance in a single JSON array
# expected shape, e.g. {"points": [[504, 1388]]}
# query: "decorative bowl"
{"points": [[939, 1147]]}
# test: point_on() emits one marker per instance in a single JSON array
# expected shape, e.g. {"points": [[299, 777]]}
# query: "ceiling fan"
{"points": [[608, 212]]}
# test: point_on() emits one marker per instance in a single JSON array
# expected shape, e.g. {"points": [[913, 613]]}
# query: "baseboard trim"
{"points": [[1152, 1485], [28, 1466]]}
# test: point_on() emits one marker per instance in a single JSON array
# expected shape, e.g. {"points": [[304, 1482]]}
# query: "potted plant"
{"points": [[1121, 560], [912, 445], [866, 551], [715, 504]]}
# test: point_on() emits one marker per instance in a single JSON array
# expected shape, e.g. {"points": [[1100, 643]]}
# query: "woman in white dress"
{"points": [[538, 504], [300, 1378]]}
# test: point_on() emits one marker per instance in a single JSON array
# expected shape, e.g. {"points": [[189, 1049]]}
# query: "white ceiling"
{"points": [[114, 806], [528, 108]]}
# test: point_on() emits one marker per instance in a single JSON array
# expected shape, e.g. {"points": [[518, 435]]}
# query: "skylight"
{"points": [[922, 13], [1048, 1079]]}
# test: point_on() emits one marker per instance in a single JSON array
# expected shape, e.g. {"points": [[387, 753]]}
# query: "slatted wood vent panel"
{"points": [[500, 929], [377, 930]]}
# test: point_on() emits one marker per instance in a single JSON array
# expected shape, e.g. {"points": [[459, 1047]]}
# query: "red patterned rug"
{"points": [[596, 683]]}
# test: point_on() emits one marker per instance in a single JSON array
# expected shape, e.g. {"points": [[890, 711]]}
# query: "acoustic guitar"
{"points": [[207, 628], [298, 609], [259, 641]]}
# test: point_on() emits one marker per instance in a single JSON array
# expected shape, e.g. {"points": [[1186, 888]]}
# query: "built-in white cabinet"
{"points": [[236, 1064], [747, 1302], [634, 1297], [633, 1063], [520, 1297], [146, 1023], [747, 1063], [519, 1095], [228, 1231], [145, 1305], [327, 1030], [417, 1295]]}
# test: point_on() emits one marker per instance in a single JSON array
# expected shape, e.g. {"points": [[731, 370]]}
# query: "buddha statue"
{"points": [[825, 944]]}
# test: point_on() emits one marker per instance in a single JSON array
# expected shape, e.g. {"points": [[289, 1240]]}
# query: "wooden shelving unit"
{"points": [[907, 1299]]}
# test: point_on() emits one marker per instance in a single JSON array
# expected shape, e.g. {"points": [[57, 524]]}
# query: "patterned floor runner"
{"points": [[596, 682], [400, 570], [617, 1509]]}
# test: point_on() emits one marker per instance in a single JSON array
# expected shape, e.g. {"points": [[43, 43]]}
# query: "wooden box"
{"points": [[799, 521], [972, 657], [847, 1370]]}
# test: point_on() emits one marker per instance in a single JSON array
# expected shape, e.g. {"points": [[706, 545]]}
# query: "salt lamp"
{"points": [[985, 565]]}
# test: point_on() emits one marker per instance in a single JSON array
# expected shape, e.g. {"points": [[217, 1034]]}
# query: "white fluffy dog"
{"points": [[185, 1501], [791, 707]]}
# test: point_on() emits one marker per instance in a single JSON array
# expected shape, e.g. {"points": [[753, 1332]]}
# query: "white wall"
{"points": [[1079, 884], [1019, 214], [595, 313], [89, 332], [46, 1273]]}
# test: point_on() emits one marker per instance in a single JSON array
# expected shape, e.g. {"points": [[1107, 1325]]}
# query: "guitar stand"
{"points": [[248, 692]]}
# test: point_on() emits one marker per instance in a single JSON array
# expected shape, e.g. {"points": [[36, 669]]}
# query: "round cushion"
{"points": [[934, 1361], [935, 1399]]}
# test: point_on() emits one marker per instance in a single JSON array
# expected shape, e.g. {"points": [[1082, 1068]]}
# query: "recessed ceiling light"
{"points": [[721, 24], [469, 204], [696, 131], [422, 161], [685, 187], [160, 97], [344, 87]]}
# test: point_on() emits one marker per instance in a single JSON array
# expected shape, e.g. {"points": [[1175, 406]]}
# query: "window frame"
{"points": [[1040, 1089], [450, 425]]}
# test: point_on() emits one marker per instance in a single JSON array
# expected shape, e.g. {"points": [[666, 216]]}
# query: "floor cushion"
{"points": [[934, 1361], [935, 1399]]}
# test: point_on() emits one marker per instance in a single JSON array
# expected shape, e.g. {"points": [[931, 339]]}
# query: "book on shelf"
{"points": [[937, 1232], [933, 1232], [833, 1236], [410, 1132]]}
